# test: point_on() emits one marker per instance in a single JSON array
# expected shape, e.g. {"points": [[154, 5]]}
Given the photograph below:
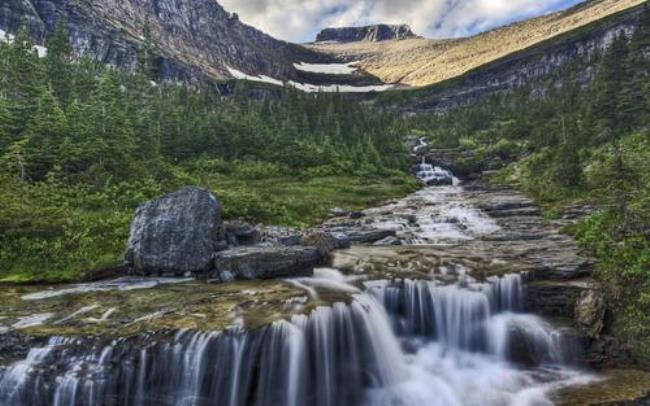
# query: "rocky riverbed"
{"points": [[445, 287]]}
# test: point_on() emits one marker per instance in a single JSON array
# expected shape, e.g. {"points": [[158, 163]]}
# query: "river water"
{"points": [[452, 338]]}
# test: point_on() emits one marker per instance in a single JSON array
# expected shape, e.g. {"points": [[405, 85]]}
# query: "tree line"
{"points": [[86, 122]]}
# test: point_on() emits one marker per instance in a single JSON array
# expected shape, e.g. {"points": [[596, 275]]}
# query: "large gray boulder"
{"points": [[175, 234], [266, 262]]}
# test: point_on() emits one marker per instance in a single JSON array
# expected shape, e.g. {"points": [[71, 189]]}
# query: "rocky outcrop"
{"points": [[326, 242], [265, 262], [374, 33], [590, 312], [175, 234], [194, 39]]}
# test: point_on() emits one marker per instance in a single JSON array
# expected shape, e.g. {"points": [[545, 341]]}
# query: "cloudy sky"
{"points": [[300, 20]]}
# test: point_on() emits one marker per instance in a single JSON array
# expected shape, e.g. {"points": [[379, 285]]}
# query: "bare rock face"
{"points": [[374, 33], [590, 312], [194, 39], [175, 234], [266, 262]]}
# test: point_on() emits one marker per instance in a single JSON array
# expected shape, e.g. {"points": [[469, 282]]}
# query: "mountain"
{"points": [[199, 39], [535, 67], [374, 33], [194, 38], [422, 61]]}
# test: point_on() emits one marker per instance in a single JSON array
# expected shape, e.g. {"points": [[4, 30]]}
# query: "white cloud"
{"points": [[300, 20]]}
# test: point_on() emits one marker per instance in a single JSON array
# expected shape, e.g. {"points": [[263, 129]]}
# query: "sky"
{"points": [[301, 20]]}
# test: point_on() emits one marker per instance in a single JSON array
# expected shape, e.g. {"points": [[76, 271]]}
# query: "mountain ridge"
{"points": [[420, 62], [199, 40]]}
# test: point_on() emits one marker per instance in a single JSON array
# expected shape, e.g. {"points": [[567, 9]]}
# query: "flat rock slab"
{"points": [[175, 234], [262, 262]]}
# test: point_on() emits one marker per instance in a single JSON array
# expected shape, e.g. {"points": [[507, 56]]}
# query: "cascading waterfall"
{"points": [[345, 354], [470, 316], [433, 175], [326, 359]]}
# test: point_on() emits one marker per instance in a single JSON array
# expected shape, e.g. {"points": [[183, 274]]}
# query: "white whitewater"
{"points": [[399, 343], [433, 175], [434, 215]]}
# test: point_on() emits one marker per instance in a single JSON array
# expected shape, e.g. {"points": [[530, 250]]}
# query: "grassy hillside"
{"points": [[421, 61], [82, 145]]}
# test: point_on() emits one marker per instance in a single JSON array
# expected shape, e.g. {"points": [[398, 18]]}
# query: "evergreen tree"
{"points": [[634, 102], [146, 53], [8, 125], [57, 63], [114, 128], [609, 82], [23, 78], [45, 134]]}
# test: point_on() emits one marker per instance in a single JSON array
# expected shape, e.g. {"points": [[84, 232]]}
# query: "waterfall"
{"points": [[482, 317], [433, 175], [327, 358], [344, 354]]}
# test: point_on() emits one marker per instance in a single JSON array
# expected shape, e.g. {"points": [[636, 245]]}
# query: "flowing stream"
{"points": [[394, 342]]}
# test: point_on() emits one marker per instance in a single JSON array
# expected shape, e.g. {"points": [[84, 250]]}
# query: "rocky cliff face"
{"points": [[374, 33], [194, 38], [529, 67]]}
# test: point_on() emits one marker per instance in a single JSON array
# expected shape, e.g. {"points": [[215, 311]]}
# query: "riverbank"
{"points": [[55, 233], [478, 250]]}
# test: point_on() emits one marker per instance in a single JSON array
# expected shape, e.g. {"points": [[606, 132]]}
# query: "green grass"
{"points": [[52, 232]]}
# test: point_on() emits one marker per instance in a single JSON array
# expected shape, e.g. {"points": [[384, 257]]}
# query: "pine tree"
{"points": [[113, 126], [24, 78], [8, 125], [146, 53], [57, 63], [609, 82], [45, 134]]}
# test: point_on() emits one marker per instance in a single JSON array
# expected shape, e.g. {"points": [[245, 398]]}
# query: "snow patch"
{"points": [[237, 74], [40, 50], [8, 38], [327, 68], [306, 87], [309, 88]]}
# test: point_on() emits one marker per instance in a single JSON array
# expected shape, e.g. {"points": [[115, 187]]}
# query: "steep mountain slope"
{"points": [[193, 37], [198, 39], [535, 67], [421, 62]]}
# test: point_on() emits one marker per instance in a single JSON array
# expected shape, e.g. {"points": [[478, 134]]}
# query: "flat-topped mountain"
{"points": [[373, 33]]}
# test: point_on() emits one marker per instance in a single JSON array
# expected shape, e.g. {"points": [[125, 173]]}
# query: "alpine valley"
{"points": [[193, 212]]}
